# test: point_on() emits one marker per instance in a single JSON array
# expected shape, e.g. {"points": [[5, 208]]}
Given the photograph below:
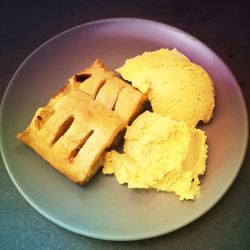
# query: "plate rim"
{"points": [[108, 236]]}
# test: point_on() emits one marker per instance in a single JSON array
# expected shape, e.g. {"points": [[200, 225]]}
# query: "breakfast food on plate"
{"points": [[175, 86], [81, 121], [104, 86], [160, 153]]}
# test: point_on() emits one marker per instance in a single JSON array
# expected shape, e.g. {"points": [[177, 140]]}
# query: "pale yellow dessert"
{"points": [[174, 85], [160, 153]]}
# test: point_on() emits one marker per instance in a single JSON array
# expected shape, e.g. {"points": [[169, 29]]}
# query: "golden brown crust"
{"points": [[74, 136], [82, 120], [106, 87]]}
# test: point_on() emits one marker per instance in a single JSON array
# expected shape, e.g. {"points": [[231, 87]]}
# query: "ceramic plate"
{"points": [[102, 208]]}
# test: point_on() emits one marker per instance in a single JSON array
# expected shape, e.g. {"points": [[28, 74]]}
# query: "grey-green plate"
{"points": [[102, 208]]}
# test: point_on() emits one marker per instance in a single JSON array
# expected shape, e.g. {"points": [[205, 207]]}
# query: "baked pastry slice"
{"points": [[106, 87], [72, 132], [81, 120]]}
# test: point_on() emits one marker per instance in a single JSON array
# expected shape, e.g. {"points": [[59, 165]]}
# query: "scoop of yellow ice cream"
{"points": [[160, 153], [175, 86]]}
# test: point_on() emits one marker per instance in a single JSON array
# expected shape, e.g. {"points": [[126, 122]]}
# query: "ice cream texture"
{"points": [[160, 153], [175, 86]]}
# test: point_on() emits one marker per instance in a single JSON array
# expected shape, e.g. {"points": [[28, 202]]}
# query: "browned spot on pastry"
{"points": [[39, 121], [43, 117], [74, 153], [99, 87], [62, 129], [82, 77]]}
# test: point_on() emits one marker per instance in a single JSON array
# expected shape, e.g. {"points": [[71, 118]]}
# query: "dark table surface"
{"points": [[222, 25]]}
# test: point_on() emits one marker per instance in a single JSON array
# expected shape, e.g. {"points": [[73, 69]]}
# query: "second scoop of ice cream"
{"points": [[162, 154]]}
